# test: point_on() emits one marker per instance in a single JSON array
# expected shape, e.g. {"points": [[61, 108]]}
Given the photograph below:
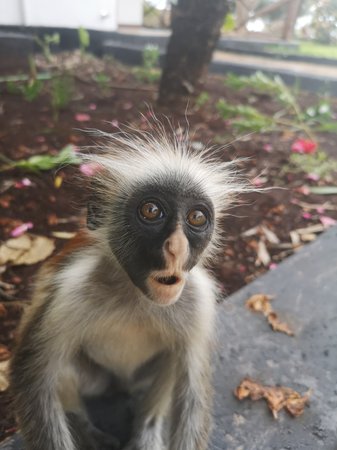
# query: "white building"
{"points": [[102, 15]]}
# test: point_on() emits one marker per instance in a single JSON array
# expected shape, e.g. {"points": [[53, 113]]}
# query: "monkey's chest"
{"points": [[122, 350]]}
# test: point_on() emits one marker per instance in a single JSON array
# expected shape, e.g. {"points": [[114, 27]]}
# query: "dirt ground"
{"points": [[28, 128]]}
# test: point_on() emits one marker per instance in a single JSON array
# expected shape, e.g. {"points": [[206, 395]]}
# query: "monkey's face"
{"points": [[164, 229]]}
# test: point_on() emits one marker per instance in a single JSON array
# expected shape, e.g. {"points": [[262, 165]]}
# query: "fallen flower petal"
{"points": [[304, 146], [82, 117], [327, 221], [25, 182], [307, 215], [93, 106], [267, 148], [312, 177], [21, 229]]}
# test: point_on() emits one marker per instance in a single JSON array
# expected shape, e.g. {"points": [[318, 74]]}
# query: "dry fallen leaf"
{"points": [[261, 303], [278, 325], [26, 249], [277, 397], [4, 369]]}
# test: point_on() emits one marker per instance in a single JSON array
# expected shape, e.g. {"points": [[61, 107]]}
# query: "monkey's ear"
{"points": [[93, 214]]}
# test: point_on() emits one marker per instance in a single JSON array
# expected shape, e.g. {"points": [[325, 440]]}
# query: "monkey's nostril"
{"points": [[169, 281]]}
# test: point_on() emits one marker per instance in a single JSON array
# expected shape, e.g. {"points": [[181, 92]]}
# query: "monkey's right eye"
{"points": [[150, 212]]}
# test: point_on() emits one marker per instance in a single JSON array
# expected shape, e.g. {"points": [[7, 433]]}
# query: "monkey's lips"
{"points": [[165, 288]]}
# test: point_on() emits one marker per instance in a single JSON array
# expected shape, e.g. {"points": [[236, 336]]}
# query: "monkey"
{"points": [[129, 297]]}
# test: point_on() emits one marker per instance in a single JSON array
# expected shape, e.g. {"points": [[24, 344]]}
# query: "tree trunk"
{"points": [[196, 27]]}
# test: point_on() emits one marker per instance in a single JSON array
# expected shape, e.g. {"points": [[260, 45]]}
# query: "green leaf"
{"points": [[323, 190], [47, 162]]}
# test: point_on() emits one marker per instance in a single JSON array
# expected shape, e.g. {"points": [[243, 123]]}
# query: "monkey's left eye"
{"points": [[150, 211], [196, 218]]}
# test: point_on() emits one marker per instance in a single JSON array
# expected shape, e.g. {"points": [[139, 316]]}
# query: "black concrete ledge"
{"points": [[305, 289]]}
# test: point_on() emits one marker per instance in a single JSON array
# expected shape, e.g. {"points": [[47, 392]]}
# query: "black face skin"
{"points": [[138, 245]]}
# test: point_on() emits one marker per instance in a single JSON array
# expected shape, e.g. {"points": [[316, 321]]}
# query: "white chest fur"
{"points": [[123, 348]]}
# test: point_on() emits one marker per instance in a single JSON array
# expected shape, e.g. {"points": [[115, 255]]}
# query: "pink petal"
{"points": [[272, 266], [40, 139], [25, 182], [320, 210], [89, 169], [21, 229], [303, 190], [307, 215], [312, 177], [327, 221], [115, 123], [92, 106], [82, 117], [267, 148]]}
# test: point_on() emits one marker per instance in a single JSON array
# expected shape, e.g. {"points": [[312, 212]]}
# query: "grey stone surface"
{"points": [[305, 289]]}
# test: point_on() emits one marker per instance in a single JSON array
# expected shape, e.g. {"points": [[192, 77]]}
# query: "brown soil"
{"points": [[28, 128]]}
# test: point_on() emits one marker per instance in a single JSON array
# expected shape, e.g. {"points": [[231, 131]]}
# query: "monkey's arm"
{"points": [[34, 373], [192, 401]]}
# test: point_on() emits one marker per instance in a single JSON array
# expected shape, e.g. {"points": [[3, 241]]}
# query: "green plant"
{"points": [[61, 91], [84, 39], [151, 56], [202, 99], [149, 72], [314, 118], [30, 90], [318, 163], [244, 118], [229, 23], [44, 162], [45, 43], [103, 81]]}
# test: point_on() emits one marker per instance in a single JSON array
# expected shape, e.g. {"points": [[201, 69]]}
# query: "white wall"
{"points": [[91, 14], [10, 12], [130, 12]]}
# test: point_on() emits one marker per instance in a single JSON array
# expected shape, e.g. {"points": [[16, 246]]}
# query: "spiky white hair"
{"points": [[126, 161]]}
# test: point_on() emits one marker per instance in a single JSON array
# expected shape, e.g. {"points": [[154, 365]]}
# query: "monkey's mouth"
{"points": [[168, 280], [164, 287]]}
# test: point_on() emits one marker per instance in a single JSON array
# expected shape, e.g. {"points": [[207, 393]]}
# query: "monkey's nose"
{"points": [[176, 245]]}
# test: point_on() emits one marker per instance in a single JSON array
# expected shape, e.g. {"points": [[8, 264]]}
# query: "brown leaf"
{"points": [[278, 325], [260, 303], [26, 249], [277, 397]]}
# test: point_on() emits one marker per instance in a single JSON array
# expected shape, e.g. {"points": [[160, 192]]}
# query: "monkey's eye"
{"points": [[196, 218], [150, 211]]}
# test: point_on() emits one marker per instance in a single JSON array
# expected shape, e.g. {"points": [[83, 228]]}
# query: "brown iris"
{"points": [[196, 218], [150, 211]]}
